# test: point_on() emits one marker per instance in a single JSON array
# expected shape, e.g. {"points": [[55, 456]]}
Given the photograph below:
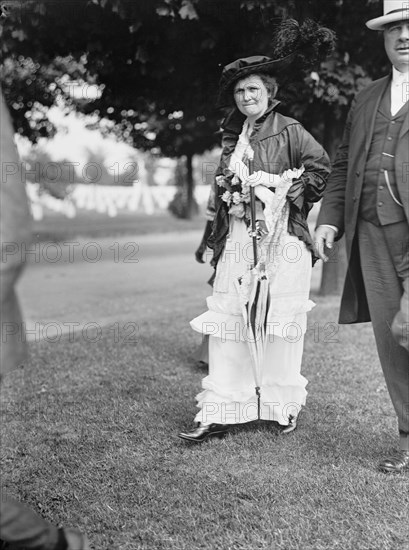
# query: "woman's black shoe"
{"points": [[202, 432]]}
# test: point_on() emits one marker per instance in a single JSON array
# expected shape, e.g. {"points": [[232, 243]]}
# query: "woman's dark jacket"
{"points": [[279, 143]]}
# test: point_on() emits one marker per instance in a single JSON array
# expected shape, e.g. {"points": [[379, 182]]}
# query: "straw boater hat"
{"points": [[393, 10]]}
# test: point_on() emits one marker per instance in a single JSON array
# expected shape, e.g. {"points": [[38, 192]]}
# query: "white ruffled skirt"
{"points": [[228, 395]]}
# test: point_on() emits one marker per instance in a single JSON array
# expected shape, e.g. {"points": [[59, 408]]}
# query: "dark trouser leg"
{"points": [[383, 268]]}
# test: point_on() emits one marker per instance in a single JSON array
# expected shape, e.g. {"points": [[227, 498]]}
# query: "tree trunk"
{"points": [[190, 202], [183, 205], [333, 271]]}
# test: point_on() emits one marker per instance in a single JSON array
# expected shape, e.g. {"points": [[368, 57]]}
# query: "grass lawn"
{"points": [[89, 439], [55, 227]]}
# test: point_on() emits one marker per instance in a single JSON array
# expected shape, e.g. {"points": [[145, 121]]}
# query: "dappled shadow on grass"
{"points": [[90, 435]]}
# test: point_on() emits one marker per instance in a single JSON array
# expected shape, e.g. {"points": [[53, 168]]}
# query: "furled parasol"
{"points": [[254, 286]]}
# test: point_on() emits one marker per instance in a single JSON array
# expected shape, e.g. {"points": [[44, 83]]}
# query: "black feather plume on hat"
{"points": [[310, 42], [296, 48]]}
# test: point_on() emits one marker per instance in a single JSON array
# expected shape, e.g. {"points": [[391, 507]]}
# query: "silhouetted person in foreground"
{"points": [[20, 527]]}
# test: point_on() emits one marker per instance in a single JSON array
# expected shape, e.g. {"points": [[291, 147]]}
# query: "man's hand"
{"points": [[324, 237]]}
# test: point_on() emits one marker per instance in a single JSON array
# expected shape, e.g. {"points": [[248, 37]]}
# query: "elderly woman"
{"points": [[290, 172]]}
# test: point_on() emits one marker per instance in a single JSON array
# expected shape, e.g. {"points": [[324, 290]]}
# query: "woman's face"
{"points": [[251, 96]]}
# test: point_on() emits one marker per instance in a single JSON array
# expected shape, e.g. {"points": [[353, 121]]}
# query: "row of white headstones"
{"points": [[107, 199]]}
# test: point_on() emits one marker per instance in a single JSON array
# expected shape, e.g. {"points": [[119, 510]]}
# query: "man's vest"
{"points": [[380, 194]]}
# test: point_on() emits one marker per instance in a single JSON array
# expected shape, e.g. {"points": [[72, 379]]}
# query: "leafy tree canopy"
{"points": [[157, 63]]}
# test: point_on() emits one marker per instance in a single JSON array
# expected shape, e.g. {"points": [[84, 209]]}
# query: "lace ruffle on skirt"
{"points": [[289, 289], [229, 396]]}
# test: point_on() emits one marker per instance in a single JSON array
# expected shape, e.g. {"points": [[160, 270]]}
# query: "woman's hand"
{"points": [[293, 174], [263, 178]]}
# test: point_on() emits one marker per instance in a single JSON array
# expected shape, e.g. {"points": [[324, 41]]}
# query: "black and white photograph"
{"points": [[204, 276]]}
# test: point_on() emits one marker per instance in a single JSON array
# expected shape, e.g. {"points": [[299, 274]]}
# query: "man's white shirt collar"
{"points": [[399, 90], [398, 77]]}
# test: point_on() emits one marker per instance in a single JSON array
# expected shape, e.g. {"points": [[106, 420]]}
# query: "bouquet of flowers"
{"points": [[235, 195]]}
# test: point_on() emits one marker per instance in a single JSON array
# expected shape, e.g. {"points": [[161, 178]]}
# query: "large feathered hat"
{"points": [[295, 47]]}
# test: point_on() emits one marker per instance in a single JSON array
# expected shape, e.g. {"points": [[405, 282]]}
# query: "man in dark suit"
{"points": [[367, 198]]}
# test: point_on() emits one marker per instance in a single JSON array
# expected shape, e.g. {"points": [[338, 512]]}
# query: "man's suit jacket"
{"points": [[340, 205]]}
